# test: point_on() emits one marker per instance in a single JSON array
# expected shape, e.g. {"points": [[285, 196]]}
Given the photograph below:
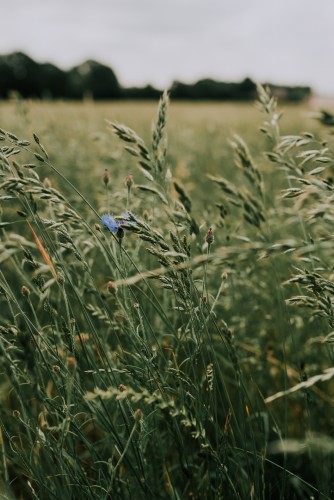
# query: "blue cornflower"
{"points": [[116, 225], [110, 223]]}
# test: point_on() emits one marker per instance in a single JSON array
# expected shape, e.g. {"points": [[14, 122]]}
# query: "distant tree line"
{"points": [[21, 74]]}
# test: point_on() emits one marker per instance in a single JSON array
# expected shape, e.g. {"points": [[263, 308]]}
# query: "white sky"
{"points": [[157, 41]]}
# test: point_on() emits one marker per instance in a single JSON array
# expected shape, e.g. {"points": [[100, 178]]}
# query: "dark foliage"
{"points": [[20, 73]]}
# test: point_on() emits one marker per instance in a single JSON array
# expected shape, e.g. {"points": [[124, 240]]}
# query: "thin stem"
{"points": [[117, 466]]}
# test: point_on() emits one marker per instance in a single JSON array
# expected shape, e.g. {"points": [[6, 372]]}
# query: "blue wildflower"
{"points": [[110, 223], [118, 224]]}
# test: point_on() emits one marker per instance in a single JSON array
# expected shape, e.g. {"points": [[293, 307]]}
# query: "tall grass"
{"points": [[161, 344]]}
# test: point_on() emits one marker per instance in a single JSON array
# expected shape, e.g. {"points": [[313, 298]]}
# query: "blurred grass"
{"points": [[198, 137]]}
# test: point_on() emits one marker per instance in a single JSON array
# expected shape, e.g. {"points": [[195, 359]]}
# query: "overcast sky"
{"points": [[158, 41]]}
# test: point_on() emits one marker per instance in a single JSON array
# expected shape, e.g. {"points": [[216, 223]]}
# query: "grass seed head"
{"points": [[47, 183]]}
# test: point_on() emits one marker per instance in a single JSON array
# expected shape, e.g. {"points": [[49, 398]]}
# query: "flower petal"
{"points": [[109, 222]]}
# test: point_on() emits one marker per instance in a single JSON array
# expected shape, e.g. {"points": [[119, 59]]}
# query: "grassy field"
{"points": [[166, 308]]}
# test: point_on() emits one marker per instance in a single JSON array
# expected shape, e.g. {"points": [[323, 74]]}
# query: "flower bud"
{"points": [[60, 278], [25, 291], [209, 236], [71, 364], [138, 414], [120, 233], [105, 177], [146, 215], [56, 368], [112, 289], [129, 181]]}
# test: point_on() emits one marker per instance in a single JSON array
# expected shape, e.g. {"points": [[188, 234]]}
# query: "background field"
{"points": [[160, 388], [80, 143]]}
